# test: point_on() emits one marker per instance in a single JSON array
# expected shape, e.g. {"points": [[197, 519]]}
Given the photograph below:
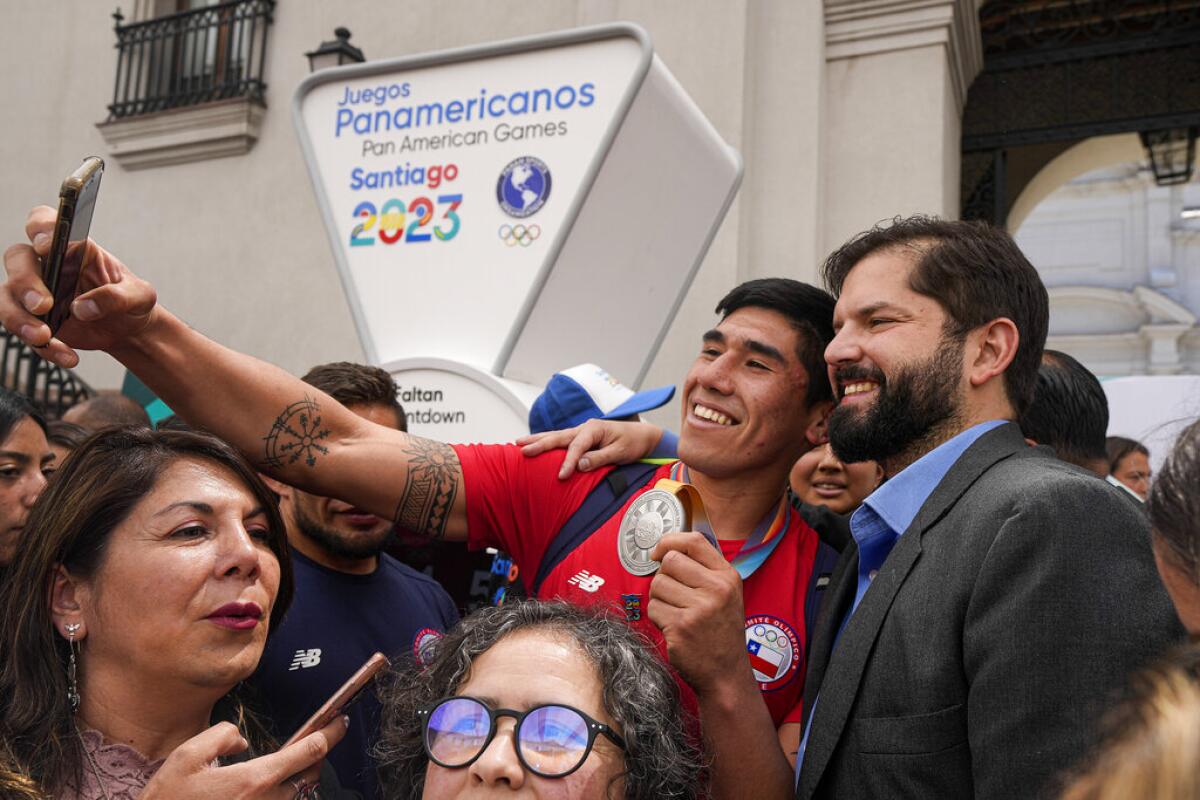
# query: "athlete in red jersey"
{"points": [[751, 402], [518, 504]]}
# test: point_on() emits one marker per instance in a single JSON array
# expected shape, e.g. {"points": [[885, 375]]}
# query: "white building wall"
{"points": [[1123, 268], [236, 247]]}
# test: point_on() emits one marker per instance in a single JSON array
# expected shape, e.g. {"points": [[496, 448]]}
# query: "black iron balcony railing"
{"points": [[193, 57], [50, 388]]}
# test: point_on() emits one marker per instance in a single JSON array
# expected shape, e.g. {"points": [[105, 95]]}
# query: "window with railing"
{"points": [[199, 55], [51, 388]]}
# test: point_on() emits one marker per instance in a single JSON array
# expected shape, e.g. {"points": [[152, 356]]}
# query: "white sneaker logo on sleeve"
{"points": [[586, 581]]}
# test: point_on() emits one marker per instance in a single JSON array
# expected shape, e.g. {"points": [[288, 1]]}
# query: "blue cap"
{"points": [[585, 392]]}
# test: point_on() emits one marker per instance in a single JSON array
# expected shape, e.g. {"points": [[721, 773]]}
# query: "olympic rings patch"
{"points": [[523, 235], [774, 650]]}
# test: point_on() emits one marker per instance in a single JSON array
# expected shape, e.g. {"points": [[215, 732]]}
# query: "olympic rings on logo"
{"points": [[519, 234]]}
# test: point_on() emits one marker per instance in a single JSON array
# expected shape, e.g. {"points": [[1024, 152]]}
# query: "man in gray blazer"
{"points": [[996, 598]]}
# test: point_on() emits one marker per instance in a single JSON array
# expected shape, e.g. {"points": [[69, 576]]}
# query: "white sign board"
{"points": [[452, 402], [515, 208]]}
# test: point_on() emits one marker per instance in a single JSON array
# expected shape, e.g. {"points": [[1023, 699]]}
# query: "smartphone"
{"points": [[342, 699], [68, 245]]}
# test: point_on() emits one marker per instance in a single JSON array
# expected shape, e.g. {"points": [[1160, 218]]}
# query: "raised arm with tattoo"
{"points": [[751, 401], [290, 430]]}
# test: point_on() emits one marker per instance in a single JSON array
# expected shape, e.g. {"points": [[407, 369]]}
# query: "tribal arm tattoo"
{"points": [[434, 473], [296, 435]]}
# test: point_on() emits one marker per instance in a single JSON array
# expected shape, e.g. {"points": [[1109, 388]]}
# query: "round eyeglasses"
{"points": [[551, 740]]}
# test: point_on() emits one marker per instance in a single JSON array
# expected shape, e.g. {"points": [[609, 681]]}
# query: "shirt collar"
{"points": [[899, 499]]}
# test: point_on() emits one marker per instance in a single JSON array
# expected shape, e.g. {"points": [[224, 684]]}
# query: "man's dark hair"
{"points": [[108, 409], [1069, 411], [1117, 447], [358, 385], [809, 309], [976, 272]]}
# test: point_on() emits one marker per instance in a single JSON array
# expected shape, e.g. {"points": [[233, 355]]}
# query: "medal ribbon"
{"points": [[765, 537]]}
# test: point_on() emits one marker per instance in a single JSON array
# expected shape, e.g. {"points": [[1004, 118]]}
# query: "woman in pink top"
{"points": [[150, 572]]}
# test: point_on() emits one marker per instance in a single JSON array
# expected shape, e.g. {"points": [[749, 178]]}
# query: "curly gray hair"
{"points": [[661, 760]]}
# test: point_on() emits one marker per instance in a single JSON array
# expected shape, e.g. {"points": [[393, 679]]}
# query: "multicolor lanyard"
{"points": [[765, 537]]}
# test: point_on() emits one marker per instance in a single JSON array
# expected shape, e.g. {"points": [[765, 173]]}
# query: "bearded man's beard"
{"points": [[339, 544], [910, 409]]}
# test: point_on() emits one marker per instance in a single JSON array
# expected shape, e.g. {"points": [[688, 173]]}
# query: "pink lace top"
{"points": [[120, 771]]}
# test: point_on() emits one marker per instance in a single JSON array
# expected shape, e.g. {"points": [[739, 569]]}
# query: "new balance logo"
{"points": [[305, 659], [586, 581]]}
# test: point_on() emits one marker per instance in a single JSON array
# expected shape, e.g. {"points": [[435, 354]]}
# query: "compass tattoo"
{"points": [[296, 435], [429, 489]]}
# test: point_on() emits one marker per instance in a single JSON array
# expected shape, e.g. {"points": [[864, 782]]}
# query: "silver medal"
{"points": [[652, 515]]}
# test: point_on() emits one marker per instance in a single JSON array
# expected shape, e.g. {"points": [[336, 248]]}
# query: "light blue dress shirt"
{"points": [[888, 512]]}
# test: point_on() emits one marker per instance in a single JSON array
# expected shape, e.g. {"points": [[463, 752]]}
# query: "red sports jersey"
{"points": [[518, 504]]}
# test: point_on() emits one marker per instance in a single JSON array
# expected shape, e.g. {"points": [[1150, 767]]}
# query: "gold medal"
{"points": [[669, 507]]}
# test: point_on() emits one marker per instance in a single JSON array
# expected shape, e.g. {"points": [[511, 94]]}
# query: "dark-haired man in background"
{"points": [[351, 598], [1068, 413], [107, 409], [752, 402], [997, 597]]}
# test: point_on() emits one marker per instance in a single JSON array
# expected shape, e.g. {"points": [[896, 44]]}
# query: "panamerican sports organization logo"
{"points": [[524, 187], [774, 650]]}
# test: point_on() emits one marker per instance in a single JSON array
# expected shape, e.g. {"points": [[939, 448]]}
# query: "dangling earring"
{"points": [[72, 683]]}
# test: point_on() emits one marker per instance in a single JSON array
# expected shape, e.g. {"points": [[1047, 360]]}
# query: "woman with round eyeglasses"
{"points": [[552, 740], [543, 700]]}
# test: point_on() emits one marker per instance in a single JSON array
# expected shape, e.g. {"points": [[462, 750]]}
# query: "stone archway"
{"points": [[1078, 159]]}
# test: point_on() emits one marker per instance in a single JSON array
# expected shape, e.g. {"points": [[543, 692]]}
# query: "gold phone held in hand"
{"points": [[342, 699], [68, 243]]}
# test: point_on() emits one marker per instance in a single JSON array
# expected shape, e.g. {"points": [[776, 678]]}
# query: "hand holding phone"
{"points": [[189, 774], [68, 245], [342, 699]]}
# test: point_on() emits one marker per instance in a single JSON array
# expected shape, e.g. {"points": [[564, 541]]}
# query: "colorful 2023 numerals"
{"points": [[387, 222]]}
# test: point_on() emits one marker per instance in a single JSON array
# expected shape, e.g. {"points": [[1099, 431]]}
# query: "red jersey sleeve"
{"points": [[518, 504]]}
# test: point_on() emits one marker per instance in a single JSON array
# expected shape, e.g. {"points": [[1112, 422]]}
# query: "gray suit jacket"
{"points": [[1002, 624]]}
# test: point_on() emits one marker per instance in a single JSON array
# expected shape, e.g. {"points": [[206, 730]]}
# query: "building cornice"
{"points": [[856, 28], [211, 130]]}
